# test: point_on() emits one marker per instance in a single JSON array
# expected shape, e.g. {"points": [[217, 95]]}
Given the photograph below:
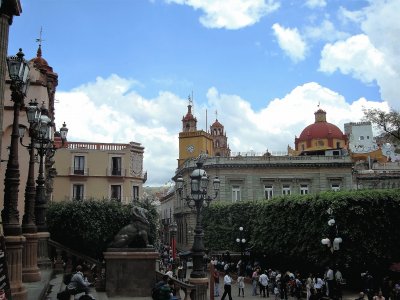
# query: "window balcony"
{"points": [[79, 172], [116, 172]]}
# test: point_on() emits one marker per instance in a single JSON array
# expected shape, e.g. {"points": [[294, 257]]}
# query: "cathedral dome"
{"points": [[321, 130], [321, 135]]}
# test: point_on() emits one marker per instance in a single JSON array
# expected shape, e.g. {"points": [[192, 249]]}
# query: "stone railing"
{"points": [[64, 258], [189, 291], [96, 146]]}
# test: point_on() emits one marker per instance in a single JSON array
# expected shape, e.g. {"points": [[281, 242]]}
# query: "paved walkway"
{"points": [[55, 285]]}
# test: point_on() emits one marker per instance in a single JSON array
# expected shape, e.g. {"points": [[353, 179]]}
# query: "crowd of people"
{"points": [[229, 276], [267, 282]]}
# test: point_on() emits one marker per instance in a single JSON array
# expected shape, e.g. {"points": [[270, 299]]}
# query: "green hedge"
{"points": [[290, 229], [89, 226]]}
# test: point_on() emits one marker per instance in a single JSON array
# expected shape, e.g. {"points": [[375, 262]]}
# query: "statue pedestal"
{"points": [[130, 272]]}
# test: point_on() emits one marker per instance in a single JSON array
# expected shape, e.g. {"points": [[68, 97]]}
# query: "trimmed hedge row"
{"points": [[290, 229], [89, 226]]}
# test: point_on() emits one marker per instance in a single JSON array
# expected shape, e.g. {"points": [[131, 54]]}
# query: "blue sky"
{"points": [[264, 65]]}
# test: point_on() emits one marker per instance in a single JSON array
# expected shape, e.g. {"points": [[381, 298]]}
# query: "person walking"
{"points": [[254, 278], [264, 284], [240, 281], [227, 286], [330, 282], [216, 282]]}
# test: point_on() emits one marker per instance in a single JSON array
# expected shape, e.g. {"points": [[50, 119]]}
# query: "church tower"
{"points": [[189, 122], [220, 141], [193, 142]]}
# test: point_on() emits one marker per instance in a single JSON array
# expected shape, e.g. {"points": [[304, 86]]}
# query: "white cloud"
{"points": [[383, 29], [315, 3], [291, 42], [373, 55], [358, 57], [108, 110], [230, 14], [275, 126], [346, 16], [325, 31]]}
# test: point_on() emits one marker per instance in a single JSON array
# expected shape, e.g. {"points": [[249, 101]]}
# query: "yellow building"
{"points": [[99, 171]]}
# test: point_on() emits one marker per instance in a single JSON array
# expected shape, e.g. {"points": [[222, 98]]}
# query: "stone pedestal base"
{"points": [[43, 259], [14, 245], [201, 288], [30, 270], [130, 272]]}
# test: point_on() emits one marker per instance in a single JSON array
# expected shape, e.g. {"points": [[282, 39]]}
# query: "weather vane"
{"points": [[40, 40]]}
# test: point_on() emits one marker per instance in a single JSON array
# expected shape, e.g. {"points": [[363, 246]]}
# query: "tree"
{"points": [[387, 122]]}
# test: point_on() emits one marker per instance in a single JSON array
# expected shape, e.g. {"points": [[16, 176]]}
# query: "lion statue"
{"points": [[135, 234]]}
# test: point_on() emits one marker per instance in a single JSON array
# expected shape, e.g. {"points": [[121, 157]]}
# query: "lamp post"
{"points": [[333, 240], [30, 271], [241, 241], [197, 199], [42, 140], [173, 228], [18, 70]]}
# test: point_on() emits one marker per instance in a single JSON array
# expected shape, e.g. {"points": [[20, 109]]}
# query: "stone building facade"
{"points": [[251, 178]]}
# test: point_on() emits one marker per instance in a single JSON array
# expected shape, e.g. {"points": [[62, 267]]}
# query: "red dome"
{"points": [[321, 130]]}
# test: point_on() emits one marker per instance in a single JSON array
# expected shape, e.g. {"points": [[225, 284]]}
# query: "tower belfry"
{"points": [[189, 122]]}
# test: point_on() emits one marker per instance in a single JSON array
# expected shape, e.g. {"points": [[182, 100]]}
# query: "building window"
{"points": [[236, 193], [115, 192], [79, 165], [303, 189], [335, 187], [320, 143], [286, 189], [116, 166], [338, 145], [268, 191], [77, 192], [361, 138], [135, 192]]}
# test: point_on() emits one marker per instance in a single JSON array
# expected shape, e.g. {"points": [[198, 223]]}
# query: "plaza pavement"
{"points": [[56, 285]]}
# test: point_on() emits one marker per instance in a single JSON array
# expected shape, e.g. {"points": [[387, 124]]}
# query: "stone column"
{"points": [[201, 288], [14, 245], [43, 259], [4, 29], [30, 270]]}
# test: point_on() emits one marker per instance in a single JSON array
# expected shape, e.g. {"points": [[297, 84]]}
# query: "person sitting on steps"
{"points": [[79, 283]]}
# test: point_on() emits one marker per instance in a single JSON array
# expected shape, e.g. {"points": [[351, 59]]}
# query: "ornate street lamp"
{"points": [[333, 241], [197, 199], [241, 241], [42, 140], [18, 70]]}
